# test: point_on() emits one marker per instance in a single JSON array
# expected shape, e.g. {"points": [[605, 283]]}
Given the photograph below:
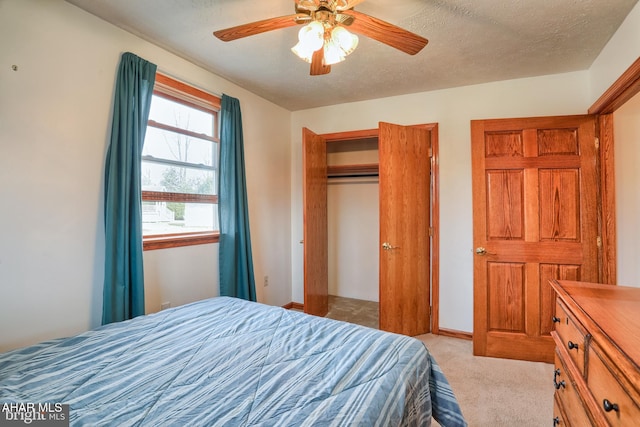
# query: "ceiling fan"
{"points": [[324, 40]]}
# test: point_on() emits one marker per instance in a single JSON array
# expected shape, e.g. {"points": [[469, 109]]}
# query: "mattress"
{"points": [[229, 362]]}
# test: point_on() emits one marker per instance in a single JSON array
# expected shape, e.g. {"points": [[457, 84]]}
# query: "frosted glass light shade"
{"points": [[337, 44], [312, 36], [310, 39], [302, 53], [332, 53], [344, 39]]}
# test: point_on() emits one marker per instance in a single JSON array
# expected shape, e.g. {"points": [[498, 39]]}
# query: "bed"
{"points": [[229, 362]]}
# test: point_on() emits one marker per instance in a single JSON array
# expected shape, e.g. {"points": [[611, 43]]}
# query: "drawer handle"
{"points": [[572, 345], [555, 319], [556, 384], [608, 406]]}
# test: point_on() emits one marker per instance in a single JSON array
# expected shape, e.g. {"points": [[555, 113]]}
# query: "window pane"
{"points": [[177, 179], [178, 115], [164, 144], [170, 217]]}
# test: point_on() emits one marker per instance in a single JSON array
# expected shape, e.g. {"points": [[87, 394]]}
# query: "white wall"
{"points": [[616, 57], [54, 127], [180, 275], [619, 53], [626, 121], [452, 109], [353, 222]]}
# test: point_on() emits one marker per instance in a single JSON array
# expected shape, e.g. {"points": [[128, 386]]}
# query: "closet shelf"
{"points": [[370, 169]]}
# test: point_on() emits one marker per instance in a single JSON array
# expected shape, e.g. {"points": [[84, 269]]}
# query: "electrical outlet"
{"points": [[165, 305], [266, 281]]}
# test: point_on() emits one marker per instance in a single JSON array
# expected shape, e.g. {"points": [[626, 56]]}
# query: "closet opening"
{"points": [[353, 230], [370, 202]]}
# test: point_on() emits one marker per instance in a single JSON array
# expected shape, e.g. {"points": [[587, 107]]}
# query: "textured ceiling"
{"points": [[470, 42]]}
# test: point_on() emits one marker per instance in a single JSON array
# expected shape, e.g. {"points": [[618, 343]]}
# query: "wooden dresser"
{"points": [[597, 355]]}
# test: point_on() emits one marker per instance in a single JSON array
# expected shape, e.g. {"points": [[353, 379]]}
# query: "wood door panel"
{"points": [[557, 142], [505, 204], [506, 344], [559, 192], [404, 225], [554, 252], [559, 272], [547, 302], [315, 257], [535, 214], [534, 162], [506, 295], [547, 294], [504, 144]]}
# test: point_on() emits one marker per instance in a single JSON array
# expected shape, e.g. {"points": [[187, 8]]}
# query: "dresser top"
{"points": [[614, 310]]}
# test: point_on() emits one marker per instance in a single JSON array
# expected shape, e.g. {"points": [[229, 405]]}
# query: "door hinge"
{"points": [[430, 231], [597, 143], [599, 241]]}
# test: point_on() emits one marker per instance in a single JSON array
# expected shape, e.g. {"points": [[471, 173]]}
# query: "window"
{"points": [[180, 167]]}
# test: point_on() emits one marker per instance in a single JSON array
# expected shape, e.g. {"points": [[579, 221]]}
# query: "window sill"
{"points": [[151, 243]]}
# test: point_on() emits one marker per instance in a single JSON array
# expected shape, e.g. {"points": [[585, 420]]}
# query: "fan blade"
{"points": [[386, 33], [257, 27], [317, 64]]}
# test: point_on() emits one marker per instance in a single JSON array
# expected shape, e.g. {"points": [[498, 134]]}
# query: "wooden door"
{"points": [[404, 229], [315, 258], [534, 219]]}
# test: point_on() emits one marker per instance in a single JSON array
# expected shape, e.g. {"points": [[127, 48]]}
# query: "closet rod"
{"points": [[370, 169]]}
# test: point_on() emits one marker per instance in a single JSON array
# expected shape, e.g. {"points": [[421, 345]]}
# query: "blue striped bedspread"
{"points": [[230, 362]]}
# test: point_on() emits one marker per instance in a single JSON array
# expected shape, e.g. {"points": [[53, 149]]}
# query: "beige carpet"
{"points": [[494, 392], [491, 392], [353, 311]]}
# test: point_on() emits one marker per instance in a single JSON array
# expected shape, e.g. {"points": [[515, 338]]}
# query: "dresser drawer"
{"points": [[571, 408], [616, 404], [571, 336], [558, 413]]}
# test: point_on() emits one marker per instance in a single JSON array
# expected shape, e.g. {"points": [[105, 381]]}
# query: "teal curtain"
{"points": [[123, 294], [234, 252]]}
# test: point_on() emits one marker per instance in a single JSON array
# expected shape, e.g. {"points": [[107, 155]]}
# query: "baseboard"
{"points": [[455, 334], [294, 305]]}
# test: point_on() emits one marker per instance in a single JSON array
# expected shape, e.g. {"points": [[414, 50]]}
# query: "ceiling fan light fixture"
{"points": [[344, 39], [302, 53], [310, 39], [337, 43], [312, 36], [325, 27], [333, 53]]}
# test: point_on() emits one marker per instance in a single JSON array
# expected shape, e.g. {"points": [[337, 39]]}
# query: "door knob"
{"points": [[387, 246], [482, 251]]}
